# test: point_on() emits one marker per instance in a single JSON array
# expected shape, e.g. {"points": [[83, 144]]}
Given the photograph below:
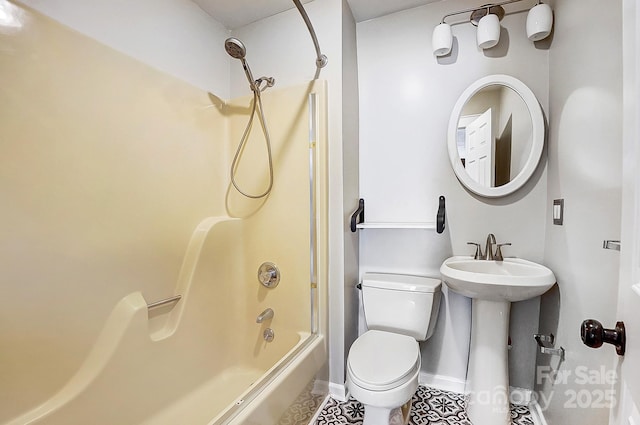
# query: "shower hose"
{"points": [[257, 104]]}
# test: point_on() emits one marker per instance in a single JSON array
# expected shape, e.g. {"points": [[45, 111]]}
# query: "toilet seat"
{"points": [[379, 361]]}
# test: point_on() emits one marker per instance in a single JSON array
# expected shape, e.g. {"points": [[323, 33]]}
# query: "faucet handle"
{"points": [[498, 256], [478, 255]]}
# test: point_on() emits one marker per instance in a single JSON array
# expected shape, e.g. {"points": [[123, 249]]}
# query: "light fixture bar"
{"points": [[485, 6], [487, 18]]}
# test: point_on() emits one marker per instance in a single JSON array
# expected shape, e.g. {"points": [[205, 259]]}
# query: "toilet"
{"points": [[384, 362]]}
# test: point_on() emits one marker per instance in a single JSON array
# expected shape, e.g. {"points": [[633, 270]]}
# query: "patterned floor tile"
{"points": [[337, 413], [521, 415], [429, 406]]}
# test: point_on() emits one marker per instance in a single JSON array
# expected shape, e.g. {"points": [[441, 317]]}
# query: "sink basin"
{"points": [[492, 287], [513, 279]]}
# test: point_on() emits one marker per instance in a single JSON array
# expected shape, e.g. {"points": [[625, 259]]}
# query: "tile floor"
{"points": [[429, 407]]}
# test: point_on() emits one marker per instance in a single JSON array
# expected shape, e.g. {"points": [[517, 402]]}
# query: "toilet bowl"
{"points": [[382, 373], [384, 362]]}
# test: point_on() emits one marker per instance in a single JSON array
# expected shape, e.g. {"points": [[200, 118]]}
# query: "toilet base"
{"points": [[374, 415], [387, 416], [405, 410]]}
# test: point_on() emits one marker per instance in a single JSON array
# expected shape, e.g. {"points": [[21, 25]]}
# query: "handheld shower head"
{"points": [[235, 48]]}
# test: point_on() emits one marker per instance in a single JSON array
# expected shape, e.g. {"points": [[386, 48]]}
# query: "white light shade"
{"points": [[442, 40], [488, 33], [539, 22]]}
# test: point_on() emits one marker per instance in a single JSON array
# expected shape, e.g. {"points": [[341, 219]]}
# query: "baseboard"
{"points": [[441, 382], [338, 392]]}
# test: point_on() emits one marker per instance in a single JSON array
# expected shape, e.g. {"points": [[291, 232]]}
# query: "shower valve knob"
{"points": [[593, 335], [269, 275]]}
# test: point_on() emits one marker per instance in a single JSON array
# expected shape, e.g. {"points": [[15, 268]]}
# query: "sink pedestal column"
{"points": [[488, 375]]}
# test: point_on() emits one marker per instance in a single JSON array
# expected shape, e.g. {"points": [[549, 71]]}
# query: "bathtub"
{"points": [[199, 360]]}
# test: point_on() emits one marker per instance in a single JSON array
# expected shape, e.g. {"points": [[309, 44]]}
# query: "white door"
{"points": [[480, 146], [628, 389]]}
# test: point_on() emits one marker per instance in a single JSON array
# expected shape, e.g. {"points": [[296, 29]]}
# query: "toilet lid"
{"points": [[381, 360]]}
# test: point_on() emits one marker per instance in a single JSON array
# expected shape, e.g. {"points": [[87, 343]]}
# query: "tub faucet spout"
{"points": [[265, 315]]}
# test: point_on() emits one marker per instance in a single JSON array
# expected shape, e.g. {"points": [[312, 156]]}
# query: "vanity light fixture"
{"points": [[488, 32], [539, 22], [487, 18]]}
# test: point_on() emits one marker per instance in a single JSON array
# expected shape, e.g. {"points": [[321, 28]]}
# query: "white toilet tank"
{"points": [[401, 304]]}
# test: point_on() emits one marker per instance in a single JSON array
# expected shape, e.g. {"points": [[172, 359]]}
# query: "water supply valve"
{"points": [[546, 344], [593, 335]]}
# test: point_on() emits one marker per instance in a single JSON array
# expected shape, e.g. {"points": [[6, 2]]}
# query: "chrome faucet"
{"points": [[489, 253], [488, 250], [265, 315]]}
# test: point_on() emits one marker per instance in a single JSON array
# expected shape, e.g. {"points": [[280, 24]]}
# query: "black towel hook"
{"points": [[441, 216], [358, 216]]}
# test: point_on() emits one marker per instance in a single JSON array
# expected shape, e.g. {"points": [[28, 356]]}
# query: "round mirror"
{"points": [[496, 135]]}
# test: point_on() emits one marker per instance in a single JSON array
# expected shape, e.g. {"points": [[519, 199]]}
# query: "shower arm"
{"points": [[321, 60]]}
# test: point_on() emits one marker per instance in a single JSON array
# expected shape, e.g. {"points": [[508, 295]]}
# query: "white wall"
{"points": [[350, 169], [406, 96], [280, 46], [174, 36], [584, 168]]}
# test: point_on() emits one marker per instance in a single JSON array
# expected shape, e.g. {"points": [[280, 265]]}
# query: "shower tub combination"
{"points": [[200, 357]]}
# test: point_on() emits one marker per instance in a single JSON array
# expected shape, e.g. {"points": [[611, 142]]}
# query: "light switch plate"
{"points": [[558, 211]]}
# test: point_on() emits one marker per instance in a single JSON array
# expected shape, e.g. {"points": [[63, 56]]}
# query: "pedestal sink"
{"points": [[492, 286]]}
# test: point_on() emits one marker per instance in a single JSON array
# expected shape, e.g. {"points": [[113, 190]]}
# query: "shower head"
{"points": [[235, 48]]}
